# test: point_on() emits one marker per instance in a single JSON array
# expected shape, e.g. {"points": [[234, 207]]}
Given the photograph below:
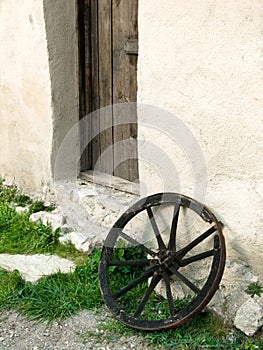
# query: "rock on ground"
{"points": [[54, 218], [79, 239], [33, 267], [249, 317], [232, 291]]}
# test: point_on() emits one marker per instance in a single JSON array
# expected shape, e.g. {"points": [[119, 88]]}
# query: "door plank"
{"points": [[105, 85], [94, 96], [133, 61], [84, 81], [124, 28]]}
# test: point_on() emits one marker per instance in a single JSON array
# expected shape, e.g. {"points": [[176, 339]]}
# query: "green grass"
{"points": [[56, 296], [9, 283], [62, 295], [254, 289], [39, 206], [19, 235]]}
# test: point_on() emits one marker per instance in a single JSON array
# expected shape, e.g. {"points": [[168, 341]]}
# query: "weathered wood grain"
{"points": [[111, 77]]}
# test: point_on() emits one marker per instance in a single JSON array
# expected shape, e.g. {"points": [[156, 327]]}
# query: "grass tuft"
{"points": [[9, 283], [7, 193], [18, 235], [39, 206], [254, 289], [22, 200]]}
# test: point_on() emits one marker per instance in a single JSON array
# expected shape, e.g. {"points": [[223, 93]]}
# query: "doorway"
{"points": [[108, 43]]}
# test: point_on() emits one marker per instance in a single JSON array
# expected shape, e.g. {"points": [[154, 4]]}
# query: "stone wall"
{"points": [[202, 61]]}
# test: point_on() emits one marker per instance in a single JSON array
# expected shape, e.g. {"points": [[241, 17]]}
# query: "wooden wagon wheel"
{"points": [[162, 262]]}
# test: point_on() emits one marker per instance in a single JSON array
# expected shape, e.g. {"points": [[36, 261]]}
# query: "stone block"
{"points": [[21, 210], [54, 219], [33, 267], [249, 317], [78, 239]]}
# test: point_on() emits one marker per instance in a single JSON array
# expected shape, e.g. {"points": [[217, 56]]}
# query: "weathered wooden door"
{"points": [[109, 43]]}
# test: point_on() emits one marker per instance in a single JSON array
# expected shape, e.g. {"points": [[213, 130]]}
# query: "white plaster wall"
{"points": [[202, 61], [39, 90], [25, 109]]}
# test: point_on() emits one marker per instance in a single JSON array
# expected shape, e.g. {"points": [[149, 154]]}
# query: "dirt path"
{"points": [[76, 333]]}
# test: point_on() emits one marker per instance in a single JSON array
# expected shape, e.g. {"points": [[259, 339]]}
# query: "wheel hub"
{"points": [[167, 261]]}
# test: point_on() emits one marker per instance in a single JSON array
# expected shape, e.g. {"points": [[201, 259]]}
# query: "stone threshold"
{"points": [[110, 181]]}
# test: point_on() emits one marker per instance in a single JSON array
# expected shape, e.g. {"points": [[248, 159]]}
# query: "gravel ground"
{"points": [[76, 333]]}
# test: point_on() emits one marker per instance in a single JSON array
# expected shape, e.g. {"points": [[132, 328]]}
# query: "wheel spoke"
{"points": [[131, 262], [216, 243], [148, 273], [169, 293], [196, 257], [172, 240], [138, 244], [185, 280], [156, 230], [155, 280], [181, 253]]}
